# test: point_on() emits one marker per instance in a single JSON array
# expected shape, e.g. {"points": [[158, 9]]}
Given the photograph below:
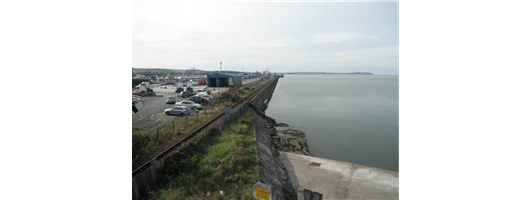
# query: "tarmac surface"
{"points": [[340, 180]]}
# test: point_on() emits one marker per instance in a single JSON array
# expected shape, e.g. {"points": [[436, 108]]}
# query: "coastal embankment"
{"points": [[284, 167]]}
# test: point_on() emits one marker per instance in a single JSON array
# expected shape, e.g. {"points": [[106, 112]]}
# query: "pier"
{"points": [[339, 180]]}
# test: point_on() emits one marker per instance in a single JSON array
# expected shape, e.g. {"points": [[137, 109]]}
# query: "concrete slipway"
{"points": [[340, 180]]}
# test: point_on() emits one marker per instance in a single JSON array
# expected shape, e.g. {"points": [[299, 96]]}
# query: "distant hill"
{"points": [[330, 73]]}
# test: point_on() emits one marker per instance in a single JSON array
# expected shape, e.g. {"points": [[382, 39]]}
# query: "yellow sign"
{"points": [[261, 193]]}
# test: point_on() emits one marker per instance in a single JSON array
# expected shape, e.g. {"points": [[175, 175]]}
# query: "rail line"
{"points": [[146, 162]]}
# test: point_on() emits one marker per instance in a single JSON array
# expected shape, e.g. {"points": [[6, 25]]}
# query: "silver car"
{"points": [[178, 110], [189, 104], [210, 97], [171, 100]]}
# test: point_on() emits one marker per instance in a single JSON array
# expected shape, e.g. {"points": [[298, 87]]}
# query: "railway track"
{"points": [[146, 162]]}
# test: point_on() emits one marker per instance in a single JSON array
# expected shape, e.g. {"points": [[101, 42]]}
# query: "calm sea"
{"points": [[352, 118]]}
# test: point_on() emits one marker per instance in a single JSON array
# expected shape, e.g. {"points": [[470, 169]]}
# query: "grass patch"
{"points": [[224, 161]]}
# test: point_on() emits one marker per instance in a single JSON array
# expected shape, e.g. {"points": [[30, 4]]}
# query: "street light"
{"points": [[193, 72]]}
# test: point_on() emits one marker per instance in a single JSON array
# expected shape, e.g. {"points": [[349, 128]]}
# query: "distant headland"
{"points": [[331, 73]]}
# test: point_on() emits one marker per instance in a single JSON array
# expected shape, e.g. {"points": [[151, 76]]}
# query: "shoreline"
{"points": [[288, 139]]}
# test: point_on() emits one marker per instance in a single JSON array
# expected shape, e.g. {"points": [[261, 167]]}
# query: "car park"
{"points": [[189, 104], [178, 110], [198, 99], [171, 100]]}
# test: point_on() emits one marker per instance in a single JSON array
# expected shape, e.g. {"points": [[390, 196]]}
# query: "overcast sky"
{"points": [[278, 36]]}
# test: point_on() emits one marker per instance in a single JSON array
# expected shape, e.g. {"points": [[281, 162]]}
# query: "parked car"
{"points": [[137, 97], [185, 94], [179, 90], [171, 100], [202, 89], [198, 99], [189, 104], [178, 110], [209, 97], [189, 89]]}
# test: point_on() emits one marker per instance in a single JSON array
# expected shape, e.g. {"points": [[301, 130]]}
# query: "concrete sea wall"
{"points": [[271, 171]]}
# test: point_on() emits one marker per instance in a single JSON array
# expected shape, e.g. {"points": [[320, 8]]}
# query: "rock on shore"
{"points": [[290, 140]]}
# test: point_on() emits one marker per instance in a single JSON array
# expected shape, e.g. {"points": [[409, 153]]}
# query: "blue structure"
{"points": [[224, 80]]}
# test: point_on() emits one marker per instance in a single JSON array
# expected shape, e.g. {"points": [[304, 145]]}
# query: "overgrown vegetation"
{"points": [[223, 161], [241, 93], [224, 95]]}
